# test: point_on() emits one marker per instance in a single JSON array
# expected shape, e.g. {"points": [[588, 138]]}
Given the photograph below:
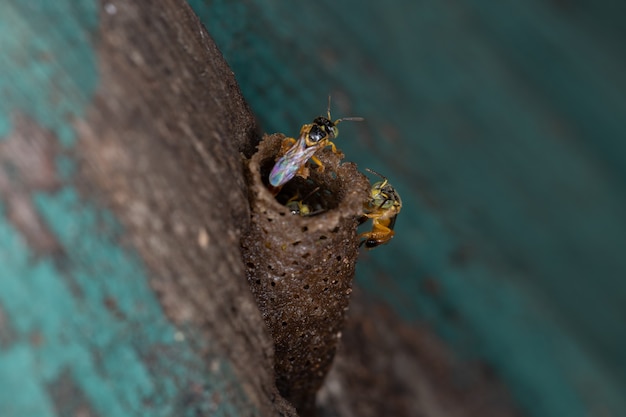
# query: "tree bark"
{"points": [[157, 150]]}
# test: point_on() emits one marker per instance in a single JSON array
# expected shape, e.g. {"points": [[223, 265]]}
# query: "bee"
{"points": [[297, 206], [313, 137], [382, 207]]}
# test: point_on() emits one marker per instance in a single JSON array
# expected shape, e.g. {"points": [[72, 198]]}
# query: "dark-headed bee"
{"points": [[313, 137]]}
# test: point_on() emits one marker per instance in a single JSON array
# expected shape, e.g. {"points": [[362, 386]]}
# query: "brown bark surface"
{"points": [[161, 147]]}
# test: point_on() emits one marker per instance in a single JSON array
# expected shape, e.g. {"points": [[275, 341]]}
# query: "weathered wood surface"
{"points": [[122, 291]]}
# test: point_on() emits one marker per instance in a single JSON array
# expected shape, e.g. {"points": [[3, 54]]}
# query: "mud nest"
{"points": [[300, 268]]}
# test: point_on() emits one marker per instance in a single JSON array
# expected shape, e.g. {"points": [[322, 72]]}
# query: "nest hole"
{"points": [[318, 193]]}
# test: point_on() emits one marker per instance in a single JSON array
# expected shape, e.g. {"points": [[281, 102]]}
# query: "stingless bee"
{"points": [[301, 206], [382, 207], [313, 137]]}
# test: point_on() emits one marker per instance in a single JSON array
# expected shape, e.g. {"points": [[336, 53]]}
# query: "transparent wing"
{"points": [[289, 164]]}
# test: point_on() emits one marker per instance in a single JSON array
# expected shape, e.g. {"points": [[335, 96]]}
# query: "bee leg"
{"points": [[292, 199], [320, 165], [363, 219], [288, 142], [334, 149], [378, 236], [285, 145], [303, 171]]}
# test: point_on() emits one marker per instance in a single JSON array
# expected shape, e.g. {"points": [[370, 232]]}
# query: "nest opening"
{"points": [[320, 192]]}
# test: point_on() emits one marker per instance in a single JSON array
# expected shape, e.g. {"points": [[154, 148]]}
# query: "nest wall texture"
{"points": [[300, 268]]}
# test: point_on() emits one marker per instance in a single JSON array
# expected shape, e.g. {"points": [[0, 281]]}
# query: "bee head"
{"points": [[323, 128]]}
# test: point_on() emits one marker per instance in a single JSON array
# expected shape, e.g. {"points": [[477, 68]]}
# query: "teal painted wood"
{"points": [[89, 323], [81, 331], [32, 57], [502, 128]]}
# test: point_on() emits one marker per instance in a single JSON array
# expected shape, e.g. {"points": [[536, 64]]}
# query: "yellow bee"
{"points": [[382, 207], [313, 137], [297, 206]]}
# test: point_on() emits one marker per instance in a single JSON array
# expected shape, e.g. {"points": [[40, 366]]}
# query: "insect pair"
{"points": [[383, 204], [313, 137]]}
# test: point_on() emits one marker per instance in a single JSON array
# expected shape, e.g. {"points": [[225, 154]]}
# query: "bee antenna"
{"points": [[328, 110], [336, 122], [311, 193], [376, 173], [352, 119]]}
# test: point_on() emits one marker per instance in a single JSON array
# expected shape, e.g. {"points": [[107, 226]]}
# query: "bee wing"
{"points": [[288, 164], [392, 221]]}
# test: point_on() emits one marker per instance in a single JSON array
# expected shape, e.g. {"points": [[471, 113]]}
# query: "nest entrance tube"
{"points": [[300, 268]]}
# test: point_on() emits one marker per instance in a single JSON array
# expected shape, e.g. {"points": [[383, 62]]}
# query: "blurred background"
{"points": [[501, 124]]}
